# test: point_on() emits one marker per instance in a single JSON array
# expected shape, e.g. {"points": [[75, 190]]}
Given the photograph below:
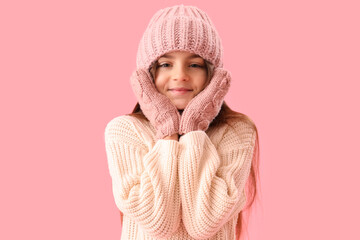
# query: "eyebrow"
{"points": [[171, 57]]}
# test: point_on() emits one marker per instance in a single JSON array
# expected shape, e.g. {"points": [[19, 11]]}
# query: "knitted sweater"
{"points": [[187, 189]]}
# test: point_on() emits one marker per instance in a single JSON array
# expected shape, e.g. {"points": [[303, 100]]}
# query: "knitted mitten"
{"points": [[158, 108], [205, 106]]}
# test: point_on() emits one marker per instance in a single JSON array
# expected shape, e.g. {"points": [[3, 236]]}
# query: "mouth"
{"points": [[180, 91]]}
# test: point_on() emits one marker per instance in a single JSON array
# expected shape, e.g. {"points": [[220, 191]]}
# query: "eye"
{"points": [[163, 65], [196, 65]]}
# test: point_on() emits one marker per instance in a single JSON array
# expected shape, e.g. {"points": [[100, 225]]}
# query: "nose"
{"points": [[180, 73]]}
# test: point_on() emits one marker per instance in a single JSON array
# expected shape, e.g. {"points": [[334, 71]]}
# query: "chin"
{"points": [[180, 106]]}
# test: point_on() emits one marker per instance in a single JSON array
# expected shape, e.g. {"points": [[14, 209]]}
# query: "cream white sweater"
{"points": [[187, 189]]}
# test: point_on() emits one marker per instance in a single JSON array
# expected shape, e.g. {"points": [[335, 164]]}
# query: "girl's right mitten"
{"points": [[158, 108]]}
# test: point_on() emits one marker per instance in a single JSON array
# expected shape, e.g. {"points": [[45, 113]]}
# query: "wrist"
{"points": [[172, 137]]}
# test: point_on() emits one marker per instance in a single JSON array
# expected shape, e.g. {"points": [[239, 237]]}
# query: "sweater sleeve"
{"points": [[212, 179], [144, 180]]}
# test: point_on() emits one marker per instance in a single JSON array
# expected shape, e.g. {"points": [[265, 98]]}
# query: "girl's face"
{"points": [[180, 76]]}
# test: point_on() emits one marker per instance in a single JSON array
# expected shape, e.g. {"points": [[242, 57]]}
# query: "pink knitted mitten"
{"points": [[205, 106], [158, 108]]}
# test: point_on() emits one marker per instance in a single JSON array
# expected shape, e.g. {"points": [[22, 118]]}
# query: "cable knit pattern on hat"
{"points": [[178, 28], [187, 189]]}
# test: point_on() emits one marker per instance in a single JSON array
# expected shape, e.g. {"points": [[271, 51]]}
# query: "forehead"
{"points": [[180, 54]]}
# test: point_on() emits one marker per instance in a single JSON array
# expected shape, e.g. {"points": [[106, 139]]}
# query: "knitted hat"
{"points": [[180, 28]]}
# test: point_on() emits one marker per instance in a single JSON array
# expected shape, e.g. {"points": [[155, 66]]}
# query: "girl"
{"points": [[179, 163]]}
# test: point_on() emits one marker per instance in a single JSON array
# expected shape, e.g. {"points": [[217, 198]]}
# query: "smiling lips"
{"points": [[179, 91]]}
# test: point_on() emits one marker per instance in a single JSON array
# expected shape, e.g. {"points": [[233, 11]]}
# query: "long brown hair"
{"points": [[227, 116]]}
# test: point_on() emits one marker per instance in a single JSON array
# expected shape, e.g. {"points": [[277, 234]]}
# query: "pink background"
{"points": [[64, 70]]}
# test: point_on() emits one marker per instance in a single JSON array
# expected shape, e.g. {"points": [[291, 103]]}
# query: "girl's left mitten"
{"points": [[205, 106]]}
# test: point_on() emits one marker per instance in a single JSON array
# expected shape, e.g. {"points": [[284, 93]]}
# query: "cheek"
{"points": [[203, 83], [203, 78], [159, 84]]}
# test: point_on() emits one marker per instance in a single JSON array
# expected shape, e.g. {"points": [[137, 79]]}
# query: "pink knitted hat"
{"points": [[180, 28]]}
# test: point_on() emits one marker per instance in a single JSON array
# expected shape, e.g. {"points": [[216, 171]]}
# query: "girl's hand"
{"points": [[158, 108], [205, 106]]}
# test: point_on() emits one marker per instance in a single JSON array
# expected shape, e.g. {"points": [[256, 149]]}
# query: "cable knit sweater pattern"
{"points": [[187, 189]]}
